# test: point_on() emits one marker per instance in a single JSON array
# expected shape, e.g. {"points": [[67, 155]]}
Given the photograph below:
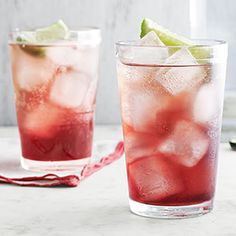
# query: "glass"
{"points": [[171, 116], [55, 88]]}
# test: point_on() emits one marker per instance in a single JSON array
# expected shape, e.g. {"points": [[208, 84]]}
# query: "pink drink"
{"points": [[55, 88], [171, 116]]}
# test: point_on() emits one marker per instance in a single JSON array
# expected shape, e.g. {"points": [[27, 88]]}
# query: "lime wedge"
{"points": [[31, 49], [172, 39], [167, 37], [35, 51], [53, 32], [56, 31]]}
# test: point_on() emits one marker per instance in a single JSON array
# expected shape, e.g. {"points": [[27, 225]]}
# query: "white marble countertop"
{"points": [[99, 206]]}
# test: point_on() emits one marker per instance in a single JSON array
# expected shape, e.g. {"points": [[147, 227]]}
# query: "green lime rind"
{"points": [[172, 39], [167, 37], [55, 31], [29, 40], [32, 50]]}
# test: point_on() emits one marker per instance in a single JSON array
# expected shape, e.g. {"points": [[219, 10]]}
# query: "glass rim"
{"points": [[211, 43], [82, 34]]}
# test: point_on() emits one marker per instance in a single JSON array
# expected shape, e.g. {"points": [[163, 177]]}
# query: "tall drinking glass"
{"points": [[171, 105], [55, 87]]}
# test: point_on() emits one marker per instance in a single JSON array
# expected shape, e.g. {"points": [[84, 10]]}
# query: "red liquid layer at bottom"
{"points": [[156, 178], [69, 141], [190, 185]]}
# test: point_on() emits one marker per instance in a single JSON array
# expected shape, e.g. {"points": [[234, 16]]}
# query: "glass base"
{"points": [[170, 212], [75, 165]]}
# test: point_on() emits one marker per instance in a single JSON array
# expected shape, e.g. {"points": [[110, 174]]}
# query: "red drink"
{"points": [[171, 116], [55, 87], [162, 174], [68, 137]]}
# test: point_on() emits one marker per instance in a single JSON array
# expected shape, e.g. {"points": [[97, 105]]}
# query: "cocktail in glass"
{"points": [[171, 105], [55, 87]]}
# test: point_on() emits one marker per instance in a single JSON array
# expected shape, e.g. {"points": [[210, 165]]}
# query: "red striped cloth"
{"points": [[50, 180]]}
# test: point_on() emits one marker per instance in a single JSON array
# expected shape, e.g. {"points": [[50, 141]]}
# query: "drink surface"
{"points": [[55, 87], [171, 116]]}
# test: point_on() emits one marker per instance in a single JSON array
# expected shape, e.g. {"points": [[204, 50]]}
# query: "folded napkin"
{"points": [[71, 180]]}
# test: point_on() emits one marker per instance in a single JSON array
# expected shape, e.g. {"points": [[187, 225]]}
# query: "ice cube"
{"points": [[153, 178], [29, 71], [141, 96], [89, 102], [175, 78], [178, 108], [42, 121], [140, 106], [83, 59], [63, 56], [151, 39], [146, 55], [138, 145], [129, 74], [187, 144], [206, 104], [69, 88], [181, 57]]}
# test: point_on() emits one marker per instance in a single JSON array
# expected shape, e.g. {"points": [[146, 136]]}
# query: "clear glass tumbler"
{"points": [[171, 105], [55, 88]]}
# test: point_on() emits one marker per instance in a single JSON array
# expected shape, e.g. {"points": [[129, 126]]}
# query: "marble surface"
{"points": [[99, 206]]}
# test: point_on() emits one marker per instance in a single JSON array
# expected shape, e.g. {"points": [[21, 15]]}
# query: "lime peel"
{"points": [[30, 39], [172, 39], [56, 31]]}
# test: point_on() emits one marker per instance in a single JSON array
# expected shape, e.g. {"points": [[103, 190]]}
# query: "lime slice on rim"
{"points": [[30, 39], [167, 37], [172, 39], [56, 31]]}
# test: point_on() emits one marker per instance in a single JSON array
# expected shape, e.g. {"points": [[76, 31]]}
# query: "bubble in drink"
{"points": [[152, 179], [187, 145], [178, 79]]}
